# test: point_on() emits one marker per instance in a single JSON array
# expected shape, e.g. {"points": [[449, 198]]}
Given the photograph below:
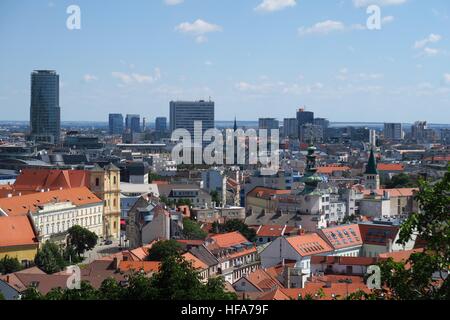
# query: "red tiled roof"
{"points": [[400, 256], [270, 231], [137, 266], [378, 234], [17, 231], [309, 244], [332, 168], [399, 192], [263, 280], [21, 205], [346, 261], [196, 262], [37, 179], [275, 295], [390, 167], [342, 236], [266, 193], [227, 240]]}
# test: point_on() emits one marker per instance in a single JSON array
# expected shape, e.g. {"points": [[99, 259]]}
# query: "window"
{"points": [[97, 182], [115, 180]]}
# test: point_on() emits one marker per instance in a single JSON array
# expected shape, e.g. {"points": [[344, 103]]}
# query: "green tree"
{"points": [[81, 239], [111, 290], [192, 230], [2, 297], [163, 249], [9, 265], [49, 258], [235, 225], [413, 280], [215, 197], [401, 180], [31, 293]]}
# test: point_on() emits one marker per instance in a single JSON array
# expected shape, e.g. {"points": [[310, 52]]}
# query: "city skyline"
{"points": [[137, 59]]}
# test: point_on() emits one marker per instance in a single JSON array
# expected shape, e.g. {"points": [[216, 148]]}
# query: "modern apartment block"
{"points": [[393, 131], [45, 112]]}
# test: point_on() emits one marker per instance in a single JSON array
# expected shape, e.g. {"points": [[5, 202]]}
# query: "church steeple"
{"points": [[371, 167], [371, 176]]}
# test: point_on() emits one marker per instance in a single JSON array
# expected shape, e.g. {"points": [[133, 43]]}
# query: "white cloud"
{"points": [[432, 38], [381, 3], [431, 52], [387, 19], [447, 78], [173, 2], [89, 78], [322, 28], [199, 29], [126, 78], [275, 5]]}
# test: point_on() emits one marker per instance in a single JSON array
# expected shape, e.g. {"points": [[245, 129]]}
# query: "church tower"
{"points": [[371, 176]]}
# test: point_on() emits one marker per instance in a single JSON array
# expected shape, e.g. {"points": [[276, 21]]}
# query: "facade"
{"points": [[133, 123], [393, 131], [304, 117], [235, 254], [161, 124], [54, 212], [105, 184], [290, 127], [116, 123], [268, 123], [184, 113], [45, 112]]}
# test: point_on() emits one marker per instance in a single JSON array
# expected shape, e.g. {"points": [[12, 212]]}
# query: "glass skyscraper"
{"points": [[45, 113], [133, 123], [115, 123]]}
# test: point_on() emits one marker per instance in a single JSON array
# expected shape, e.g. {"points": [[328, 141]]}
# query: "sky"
{"points": [[254, 58]]}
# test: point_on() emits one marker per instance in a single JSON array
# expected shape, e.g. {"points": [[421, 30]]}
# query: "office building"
{"points": [[304, 117], [290, 127], [115, 123], [184, 113], [268, 124], [418, 131], [45, 113], [133, 123], [161, 124], [393, 131]]}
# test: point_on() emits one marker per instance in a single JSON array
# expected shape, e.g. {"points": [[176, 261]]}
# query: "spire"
{"points": [[235, 124], [371, 167]]}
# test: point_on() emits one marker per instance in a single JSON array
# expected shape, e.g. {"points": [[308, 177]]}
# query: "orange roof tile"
{"points": [[332, 168], [309, 244], [266, 193], [275, 295], [137, 266], [263, 280], [17, 231], [399, 192], [196, 262], [342, 236], [226, 240], [390, 167], [20, 205]]}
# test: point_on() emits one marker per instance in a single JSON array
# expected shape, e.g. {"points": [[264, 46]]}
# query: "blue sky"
{"points": [[255, 58]]}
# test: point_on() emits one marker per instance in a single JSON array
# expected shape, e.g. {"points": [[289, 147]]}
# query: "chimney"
{"points": [[7, 278]]}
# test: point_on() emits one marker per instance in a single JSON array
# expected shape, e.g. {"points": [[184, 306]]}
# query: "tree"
{"points": [[2, 297], [49, 258], [215, 197], [422, 276], [9, 265], [235, 225], [401, 180], [192, 230], [163, 249], [111, 290], [81, 239]]}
